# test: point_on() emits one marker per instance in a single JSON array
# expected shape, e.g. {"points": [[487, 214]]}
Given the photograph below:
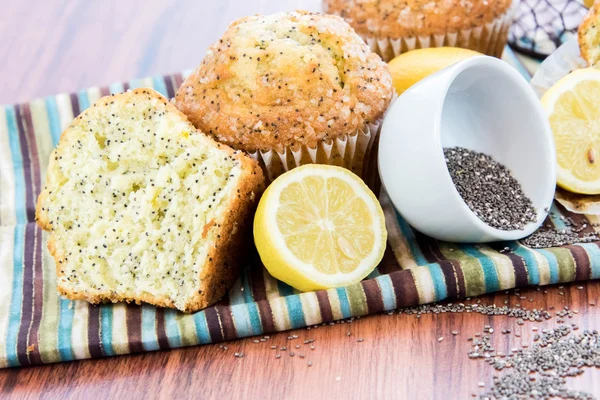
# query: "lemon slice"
{"points": [[410, 67], [573, 107], [318, 227]]}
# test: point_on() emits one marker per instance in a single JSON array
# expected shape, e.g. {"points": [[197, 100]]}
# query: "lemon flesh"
{"points": [[573, 107], [318, 227], [410, 67]]}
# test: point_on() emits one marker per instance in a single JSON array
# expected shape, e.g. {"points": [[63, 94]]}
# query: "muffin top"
{"points": [[286, 79], [408, 18]]}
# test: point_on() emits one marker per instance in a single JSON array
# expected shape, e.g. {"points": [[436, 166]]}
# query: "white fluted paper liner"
{"points": [[488, 39], [563, 61], [352, 151]]}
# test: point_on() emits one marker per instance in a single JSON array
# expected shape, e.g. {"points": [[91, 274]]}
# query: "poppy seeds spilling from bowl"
{"points": [[489, 189], [550, 236]]}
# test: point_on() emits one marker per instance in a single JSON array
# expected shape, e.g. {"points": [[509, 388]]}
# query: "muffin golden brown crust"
{"points": [[286, 80], [409, 18]]}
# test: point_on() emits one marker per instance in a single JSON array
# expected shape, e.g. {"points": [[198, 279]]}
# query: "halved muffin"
{"points": [[588, 35], [143, 207]]}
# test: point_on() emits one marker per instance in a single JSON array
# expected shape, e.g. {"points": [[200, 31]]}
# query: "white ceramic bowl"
{"points": [[482, 104]]}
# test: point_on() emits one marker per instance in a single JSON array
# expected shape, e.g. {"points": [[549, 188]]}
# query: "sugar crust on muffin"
{"points": [[286, 80]]}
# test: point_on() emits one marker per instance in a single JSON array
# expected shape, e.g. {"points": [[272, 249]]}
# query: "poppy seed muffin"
{"points": [[291, 84], [588, 35], [392, 27], [141, 207]]}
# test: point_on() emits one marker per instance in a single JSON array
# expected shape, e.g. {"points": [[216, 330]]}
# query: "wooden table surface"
{"points": [[49, 47]]}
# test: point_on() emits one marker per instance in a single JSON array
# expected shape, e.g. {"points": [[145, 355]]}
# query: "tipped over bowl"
{"points": [[481, 104]]}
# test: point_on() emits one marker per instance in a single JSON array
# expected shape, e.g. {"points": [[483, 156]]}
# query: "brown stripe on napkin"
{"points": [[32, 243], [227, 325], [460, 278], [266, 315], [214, 325], [455, 270], [34, 156], [452, 285], [259, 293], [94, 340], [126, 86], [27, 310], [373, 295], [104, 91], [521, 274], [133, 317], [405, 288], [27, 166], [38, 277], [161, 329], [583, 268], [38, 300], [324, 306]]}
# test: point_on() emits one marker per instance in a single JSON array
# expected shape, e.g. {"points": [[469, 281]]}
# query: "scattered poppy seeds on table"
{"points": [[538, 370]]}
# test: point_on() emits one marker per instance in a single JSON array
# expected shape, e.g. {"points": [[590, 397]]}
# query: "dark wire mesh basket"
{"points": [[541, 26]]}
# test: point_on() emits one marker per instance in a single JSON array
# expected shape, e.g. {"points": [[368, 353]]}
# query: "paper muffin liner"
{"points": [[355, 151], [488, 39], [566, 59], [578, 203]]}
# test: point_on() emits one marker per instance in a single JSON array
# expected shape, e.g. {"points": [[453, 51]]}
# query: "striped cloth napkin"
{"points": [[37, 326]]}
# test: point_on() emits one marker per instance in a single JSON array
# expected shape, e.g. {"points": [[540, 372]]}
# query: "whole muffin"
{"points": [[392, 27], [290, 89]]}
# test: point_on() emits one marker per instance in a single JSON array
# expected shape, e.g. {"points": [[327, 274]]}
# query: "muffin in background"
{"points": [[393, 27], [291, 89]]}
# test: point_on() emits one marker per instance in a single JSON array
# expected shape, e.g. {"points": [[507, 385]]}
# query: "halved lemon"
{"points": [[410, 67], [573, 107], [319, 227]]}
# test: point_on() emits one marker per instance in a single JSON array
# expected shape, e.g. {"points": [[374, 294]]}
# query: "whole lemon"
{"points": [[410, 67]]}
